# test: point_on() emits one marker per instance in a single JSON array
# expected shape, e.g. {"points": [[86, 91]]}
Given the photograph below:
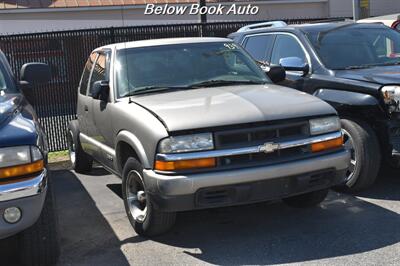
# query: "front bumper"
{"points": [[393, 134], [28, 195], [184, 192]]}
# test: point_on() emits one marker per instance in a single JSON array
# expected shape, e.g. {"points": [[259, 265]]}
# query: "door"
{"points": [[286, 46], [102, 131], [84, 104]]}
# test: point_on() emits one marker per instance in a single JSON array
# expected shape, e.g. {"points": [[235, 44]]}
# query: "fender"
{"points": [[348, 100], [132, 140]]}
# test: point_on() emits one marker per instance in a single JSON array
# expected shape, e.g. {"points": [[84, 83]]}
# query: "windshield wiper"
{"points": [[218, 82], [372, 65], [357, 67], [390, 64], [152, 89]]}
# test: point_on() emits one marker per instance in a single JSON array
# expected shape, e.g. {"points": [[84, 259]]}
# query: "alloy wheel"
{"points": [[71, 148], [349, 146], [136, 197]]}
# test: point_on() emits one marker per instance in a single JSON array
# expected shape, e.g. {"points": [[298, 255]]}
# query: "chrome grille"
{"points": [[253, 136]]}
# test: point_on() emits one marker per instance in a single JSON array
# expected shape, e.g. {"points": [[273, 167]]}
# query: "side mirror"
{"points": [[294, 64], [101, 90], [275, 73], [35, 74]]}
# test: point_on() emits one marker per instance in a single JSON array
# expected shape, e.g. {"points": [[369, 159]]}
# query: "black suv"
{"points": [[353, 66], [27, 218]]}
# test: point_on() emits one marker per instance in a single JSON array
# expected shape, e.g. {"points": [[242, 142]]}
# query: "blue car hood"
{"points": [[8, 105], [17, 127]]}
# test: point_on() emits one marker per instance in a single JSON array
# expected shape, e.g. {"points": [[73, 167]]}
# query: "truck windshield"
{"points": [[6, 84], [3, 84], [184, 66], [354, 46]]}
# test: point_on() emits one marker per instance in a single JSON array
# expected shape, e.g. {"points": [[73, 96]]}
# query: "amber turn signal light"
{"points": [[185, 164], [21, 170], [327, 145]]}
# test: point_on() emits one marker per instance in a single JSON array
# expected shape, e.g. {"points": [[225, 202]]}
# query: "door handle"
{"points": [[86, 108]]}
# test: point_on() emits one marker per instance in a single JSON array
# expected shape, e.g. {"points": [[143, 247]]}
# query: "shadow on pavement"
{"points": [[272, 234], [86, 237], [116, 188], [260, 234], [253, 234], [98, 171], [387, 187]]}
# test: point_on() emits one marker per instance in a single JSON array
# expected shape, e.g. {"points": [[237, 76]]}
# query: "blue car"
{"points": [[27, 215]]}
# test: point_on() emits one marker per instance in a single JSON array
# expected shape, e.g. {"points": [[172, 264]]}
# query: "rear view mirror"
{"points": [[35, 74], [294, 64], [101, 90], [275, 73]]}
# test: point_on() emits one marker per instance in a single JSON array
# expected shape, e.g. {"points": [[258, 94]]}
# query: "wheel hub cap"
{"points": [[71, 151], [136, 197], [349, 146]]}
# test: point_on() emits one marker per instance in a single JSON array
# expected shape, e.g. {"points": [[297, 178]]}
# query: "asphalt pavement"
{"points": [[359, 229]]}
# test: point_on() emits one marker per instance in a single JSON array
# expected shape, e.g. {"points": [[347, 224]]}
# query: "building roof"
{"points": [[17, 4]]}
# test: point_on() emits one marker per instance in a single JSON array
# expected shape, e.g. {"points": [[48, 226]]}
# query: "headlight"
{"points": [[391, 96], [20, 161], [188, 143], [324, 125]]}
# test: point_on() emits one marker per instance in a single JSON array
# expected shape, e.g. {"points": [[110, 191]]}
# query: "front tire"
{"points": [[307, 200], [144, 218], [362, 143], [80, 160]]}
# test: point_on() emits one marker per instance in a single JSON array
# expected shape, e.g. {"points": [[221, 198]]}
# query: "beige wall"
{"points": [[273, 9], [344, 8], [384, 7], [69, 20], [340, 8]]}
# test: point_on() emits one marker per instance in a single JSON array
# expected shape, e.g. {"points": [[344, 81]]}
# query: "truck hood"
{"points": [[230, 105], [16, 127], [8, 104], [380, 75]]}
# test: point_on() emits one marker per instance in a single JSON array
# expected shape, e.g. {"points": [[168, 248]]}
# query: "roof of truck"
{"points": [[159, 42], [332, 25], [313, 27]]}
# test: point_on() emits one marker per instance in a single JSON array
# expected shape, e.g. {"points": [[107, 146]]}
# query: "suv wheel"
{"points": [[80, 160], [146, 220], [362, 143], [307, 200], [39, 245]]}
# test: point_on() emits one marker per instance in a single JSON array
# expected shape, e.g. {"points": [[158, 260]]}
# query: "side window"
{"points": [[385, 47], [100, 70], [259, 46], [286, 46], [86, 74]]}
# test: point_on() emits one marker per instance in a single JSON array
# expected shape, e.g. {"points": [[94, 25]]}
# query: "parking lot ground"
{"points": [[344, 230]]}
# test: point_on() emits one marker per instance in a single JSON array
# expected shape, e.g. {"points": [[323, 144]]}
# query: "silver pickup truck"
{"points": [[195, 123]]}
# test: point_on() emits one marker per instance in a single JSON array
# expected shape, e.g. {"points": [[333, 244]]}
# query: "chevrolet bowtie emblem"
{"points": [[268, 147]]}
